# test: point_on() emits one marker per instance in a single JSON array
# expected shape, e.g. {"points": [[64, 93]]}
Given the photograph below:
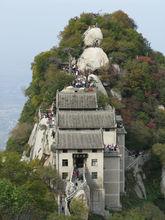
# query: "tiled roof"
{"points": [[86, 119], [76, 100], [78, 140]]}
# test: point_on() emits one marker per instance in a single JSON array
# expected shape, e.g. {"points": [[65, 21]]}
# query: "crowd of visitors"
{"points": [[77, 179], [81, 80], [111, 148], [77, 176], [49, 115]]}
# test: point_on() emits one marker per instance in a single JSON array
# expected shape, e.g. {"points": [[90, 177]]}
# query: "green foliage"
{"points": [[159, 58], [139, 136], [30, 188], [43, 88], [160, 118], [121, 40], [19, 137], [159, 150], [161, 135], [122, 19], [54, 80], [102, 100], [116, 103], [78, 209], [147, 212], [14, 201], [56, 216], [138, 79], [152, 170], [95, 217], [130, 199]]}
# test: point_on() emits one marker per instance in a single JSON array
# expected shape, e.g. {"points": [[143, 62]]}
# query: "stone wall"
{"points": [[121, 144], [112, 182]]}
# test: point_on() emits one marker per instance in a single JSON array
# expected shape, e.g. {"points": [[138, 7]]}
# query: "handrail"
{"points": [[133, 163], [145, 157], [75, 191], [79, 187]]}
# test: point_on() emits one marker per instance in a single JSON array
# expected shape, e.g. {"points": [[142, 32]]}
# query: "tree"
{"points": [[146, 212], [27, 178], [19, 137], [137, 78], [13, 169], [51, 178], [159, 150], [14, 201], [122, 19], [78, 209], [139, 136], [102, 100]]}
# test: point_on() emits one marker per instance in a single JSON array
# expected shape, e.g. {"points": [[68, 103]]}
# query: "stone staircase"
{"points": [[73, 189]]}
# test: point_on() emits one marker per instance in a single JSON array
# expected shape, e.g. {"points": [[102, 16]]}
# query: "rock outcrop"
{"points": [[93, 37], [40, 142], [163, 181], [92, 58]]}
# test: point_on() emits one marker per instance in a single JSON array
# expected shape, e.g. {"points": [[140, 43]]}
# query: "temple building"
{"points": [[90, 140]]}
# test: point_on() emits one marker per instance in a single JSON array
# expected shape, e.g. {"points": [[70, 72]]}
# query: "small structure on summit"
{"points": [[93, 57]]}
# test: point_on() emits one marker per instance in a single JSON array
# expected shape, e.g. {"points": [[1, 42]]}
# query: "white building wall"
{"points": [[109, 137], [98, 168], [97, 195], [69, 156], [61, 156]]}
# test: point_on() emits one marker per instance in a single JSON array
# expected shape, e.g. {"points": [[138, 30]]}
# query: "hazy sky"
{"points": [[28, 27]]}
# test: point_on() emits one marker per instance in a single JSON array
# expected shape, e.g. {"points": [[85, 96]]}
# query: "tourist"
{"points": [[53, 134]]}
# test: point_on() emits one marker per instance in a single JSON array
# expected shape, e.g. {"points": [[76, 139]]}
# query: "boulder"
{"points": [[161, 107], [92, 58], [93, 37]]}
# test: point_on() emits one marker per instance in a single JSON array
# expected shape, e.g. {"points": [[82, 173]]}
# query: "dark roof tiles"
{"points": [[76, 100], [86, 119], [79, 140]]}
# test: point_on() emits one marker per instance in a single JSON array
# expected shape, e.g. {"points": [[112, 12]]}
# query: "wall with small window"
{"points": [[94, 175], [64, 162], [64, 175], [94, 162], [94, 165]]}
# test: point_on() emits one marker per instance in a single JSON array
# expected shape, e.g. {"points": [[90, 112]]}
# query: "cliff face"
{"points": [[41, 140]]}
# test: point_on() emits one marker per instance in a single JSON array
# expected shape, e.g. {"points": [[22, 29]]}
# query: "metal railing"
{"points": [[79, 186], [141, 159]]}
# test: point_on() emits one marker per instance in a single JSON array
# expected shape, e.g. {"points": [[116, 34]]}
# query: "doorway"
{"points": [[79, 160]]}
